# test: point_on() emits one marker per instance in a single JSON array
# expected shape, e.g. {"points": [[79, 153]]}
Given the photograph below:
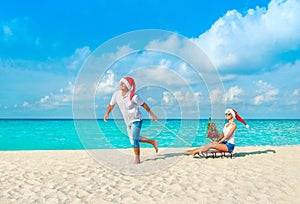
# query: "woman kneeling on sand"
{"points": [[226, 142]]}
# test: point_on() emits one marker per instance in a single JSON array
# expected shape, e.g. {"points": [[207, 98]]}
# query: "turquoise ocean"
{"points": [[36, 134]]}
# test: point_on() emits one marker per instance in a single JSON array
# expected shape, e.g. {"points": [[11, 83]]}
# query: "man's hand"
{"points": [[109, 108], [149, 111], [153, 117], [105, 117]]}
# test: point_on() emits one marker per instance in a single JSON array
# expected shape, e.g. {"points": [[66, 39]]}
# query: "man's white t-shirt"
{"points": [[130, 109]]}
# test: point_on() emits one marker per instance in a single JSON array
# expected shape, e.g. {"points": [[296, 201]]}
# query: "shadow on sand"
{"points": [[163, 156], [244, 154]]}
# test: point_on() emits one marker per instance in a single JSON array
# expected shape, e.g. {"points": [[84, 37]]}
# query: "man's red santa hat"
{"points": [[236, 116], [130, 84]]}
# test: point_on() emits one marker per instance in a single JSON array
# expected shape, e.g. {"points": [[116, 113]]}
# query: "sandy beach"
{"points": [[254, 175]]}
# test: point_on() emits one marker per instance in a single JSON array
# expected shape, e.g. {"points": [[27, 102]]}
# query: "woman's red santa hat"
{"points": [[130, 84], [236, 115]]}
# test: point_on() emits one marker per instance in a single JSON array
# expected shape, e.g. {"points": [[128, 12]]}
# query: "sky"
{"points": [[254, 45]]}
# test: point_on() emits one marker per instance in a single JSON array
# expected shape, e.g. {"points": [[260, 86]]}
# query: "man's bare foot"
{"points": [[137, 160], [155, 145]]}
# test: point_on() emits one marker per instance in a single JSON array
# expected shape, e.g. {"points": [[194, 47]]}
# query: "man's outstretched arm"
{"points": [[147, 108]]}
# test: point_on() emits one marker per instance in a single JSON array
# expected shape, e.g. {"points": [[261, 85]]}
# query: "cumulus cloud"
{"points": [[107, 84], [172, 43], [114, 56], [174, 97], [18, 31], [255, 41], [180, 104], [159, 75], [62, 97], [25, 104], [294, 98], [78, 58], [168, 98], [232, 96], [266, 93], [165, 63], [184, 98], [44, 99], [179, 95], [296, 92], [7, 31], [167, 71], [216, 96], [151, 100]]}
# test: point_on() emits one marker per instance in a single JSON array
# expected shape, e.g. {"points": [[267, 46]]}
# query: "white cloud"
{"points": [[254, 41], [172, 98], [7, 31], [165, 63], [296, 92], [217, 96], [25, 104], [44, 99], [170, 72], [266, 93], [178, 95], [78, 58], [184, 98], [107, 85], [162, 76], [172, 43], [120, 52], [11, 28], [231, 96], [151, 100], [168, 98], [199, 96], [180, 103], [183, 68], [228, 77], [294, 98], [17, 31], [62, 97]]}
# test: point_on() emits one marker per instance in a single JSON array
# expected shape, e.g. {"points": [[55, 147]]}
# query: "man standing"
{"points": [[129, 103]]}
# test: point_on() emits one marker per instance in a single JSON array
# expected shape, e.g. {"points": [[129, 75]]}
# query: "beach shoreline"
{"points": [[264, 174]]}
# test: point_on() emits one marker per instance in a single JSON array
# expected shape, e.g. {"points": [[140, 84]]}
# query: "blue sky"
{"points": [[254, 45]]}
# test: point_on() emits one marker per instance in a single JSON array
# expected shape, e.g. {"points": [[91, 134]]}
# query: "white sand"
{"points": [[254, 175]]}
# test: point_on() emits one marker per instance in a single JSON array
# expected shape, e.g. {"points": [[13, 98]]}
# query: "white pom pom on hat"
{"points": [[236, 116]]}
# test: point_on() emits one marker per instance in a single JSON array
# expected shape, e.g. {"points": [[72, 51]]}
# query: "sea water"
{"points": [[96, 134]]}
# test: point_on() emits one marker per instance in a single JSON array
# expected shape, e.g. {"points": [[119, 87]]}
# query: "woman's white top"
{"points": [[226, 131]]}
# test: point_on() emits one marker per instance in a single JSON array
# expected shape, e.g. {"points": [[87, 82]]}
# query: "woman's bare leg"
{"points": [[221, 147], [205, 148]]}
